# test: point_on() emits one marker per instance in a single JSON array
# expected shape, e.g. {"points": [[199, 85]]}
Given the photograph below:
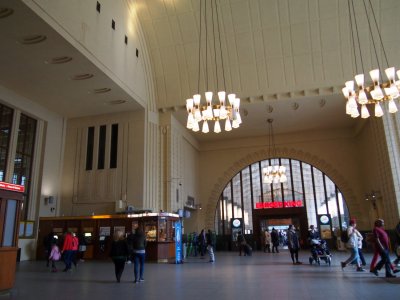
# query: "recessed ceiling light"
{"points": [[59, 60], [101, 90], [116, 102], [5, 12], [82, 76], [32, 39]]}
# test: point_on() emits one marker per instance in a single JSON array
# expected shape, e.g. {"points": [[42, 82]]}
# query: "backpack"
{"points": [[344, 237]]}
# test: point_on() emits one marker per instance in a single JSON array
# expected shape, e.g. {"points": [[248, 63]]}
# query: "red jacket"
{"points": [[68, 242]]}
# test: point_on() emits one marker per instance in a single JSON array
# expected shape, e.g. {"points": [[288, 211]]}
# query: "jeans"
{"points": [[68, 256], [138, 259], [385, 260], [354, 257]]}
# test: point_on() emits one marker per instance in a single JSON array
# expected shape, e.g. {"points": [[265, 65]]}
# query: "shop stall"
{"points": [[96, 233]]}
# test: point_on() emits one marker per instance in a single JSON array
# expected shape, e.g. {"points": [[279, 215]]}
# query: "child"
{"points": [[55, 255]]}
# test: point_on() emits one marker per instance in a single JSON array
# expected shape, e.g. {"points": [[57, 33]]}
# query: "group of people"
{"points": [[381, 248], [71, 251], [131, 247], [202, 243], [272, 239]]}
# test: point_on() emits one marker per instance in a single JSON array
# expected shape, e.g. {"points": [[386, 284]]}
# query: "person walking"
{"points": [[274, 240], [67, 250], [293, 244], [241, 242], [139, 251], [202, 243], [382, 245], [267, 241], [210, 245], [119, 253], [54, 255], [352, 244]]}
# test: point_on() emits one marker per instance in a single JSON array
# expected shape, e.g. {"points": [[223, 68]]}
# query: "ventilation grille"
{"points": [[5, 12], [33, 39]]}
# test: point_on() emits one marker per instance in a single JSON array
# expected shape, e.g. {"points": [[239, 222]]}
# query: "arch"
{"points": [[309, 158]]}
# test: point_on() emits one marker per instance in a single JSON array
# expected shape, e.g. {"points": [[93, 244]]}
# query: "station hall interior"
{"points": [[99, 116]]}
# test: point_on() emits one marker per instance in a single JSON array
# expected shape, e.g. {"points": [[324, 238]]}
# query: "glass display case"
{"points": [[150, 230]]}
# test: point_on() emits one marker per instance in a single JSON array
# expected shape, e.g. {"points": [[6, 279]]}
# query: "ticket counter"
{"points": [[98, 232]]}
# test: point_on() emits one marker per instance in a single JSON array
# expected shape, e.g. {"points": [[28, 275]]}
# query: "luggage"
{"points": [[247, 250]]}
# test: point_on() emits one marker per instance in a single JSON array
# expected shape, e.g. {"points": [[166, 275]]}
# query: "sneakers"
{"points": [[375, 272], [141, 280], [390, 276], [359, 269], [343, 265]]}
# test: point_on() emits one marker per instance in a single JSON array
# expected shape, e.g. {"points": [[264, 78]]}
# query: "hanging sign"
{"points": [[292, 203]]}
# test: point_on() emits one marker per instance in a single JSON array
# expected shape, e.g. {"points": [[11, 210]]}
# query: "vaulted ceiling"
{"points": [[285, 59]]}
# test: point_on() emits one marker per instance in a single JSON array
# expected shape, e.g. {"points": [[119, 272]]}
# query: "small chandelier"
{"points": [[210, 112], [274, 173], [374, 93]]}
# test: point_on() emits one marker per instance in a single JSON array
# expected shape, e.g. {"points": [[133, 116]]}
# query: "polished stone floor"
{"points": [[261, 276]]}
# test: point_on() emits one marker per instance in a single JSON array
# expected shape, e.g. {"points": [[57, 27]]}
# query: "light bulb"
{"points": [[217, 127], [360, 80], [196, 126], [390, 73], [189, 105], [221, 96], [362, 97], [364, 112], [374, 75], [196, 99], [190, 121], [350, 86], [228, 126], [392, 106], [205, 127], [378, 110], [345, 92], [209, 97]]}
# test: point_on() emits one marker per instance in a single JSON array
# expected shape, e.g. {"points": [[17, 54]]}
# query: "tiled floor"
{"points": [[262, 276]]}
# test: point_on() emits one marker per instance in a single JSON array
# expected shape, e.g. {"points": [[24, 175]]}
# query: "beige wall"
{"points": [[96, 191]]}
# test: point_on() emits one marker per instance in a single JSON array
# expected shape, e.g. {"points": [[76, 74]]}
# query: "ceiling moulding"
{"points": [[286, 95], [297, 94], [271, 97], [326, 90]]}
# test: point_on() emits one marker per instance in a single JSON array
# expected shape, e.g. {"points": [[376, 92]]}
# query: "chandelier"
{"points": [[273, 173], [218, 110], [373, 93]]}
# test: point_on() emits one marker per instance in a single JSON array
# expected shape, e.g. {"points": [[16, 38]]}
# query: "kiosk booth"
{"points": [[98, 231], [11, 197]]}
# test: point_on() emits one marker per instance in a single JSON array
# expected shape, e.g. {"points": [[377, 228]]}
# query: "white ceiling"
{"points": [[286, 60]]}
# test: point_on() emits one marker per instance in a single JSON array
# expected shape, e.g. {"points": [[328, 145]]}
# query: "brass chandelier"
{"points": [[220, 110], [374, 93], [273, 173]]}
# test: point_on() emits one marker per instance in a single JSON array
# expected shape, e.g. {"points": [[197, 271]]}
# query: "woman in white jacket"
{"points": [[352, 244]]}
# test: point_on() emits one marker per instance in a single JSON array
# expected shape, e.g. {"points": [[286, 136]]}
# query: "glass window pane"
{"points": [[247, 208], [309, 194], [9, 226], [332, 204], [255, 174], [228, 207], [297, 185], [237, 198], [320, 191]]}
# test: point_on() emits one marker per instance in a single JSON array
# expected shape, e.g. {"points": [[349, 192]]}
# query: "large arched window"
{"points": [[306, 187]]}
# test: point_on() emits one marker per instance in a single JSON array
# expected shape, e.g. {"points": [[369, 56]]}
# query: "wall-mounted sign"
{"points": [[280, 204], [12, 187]]}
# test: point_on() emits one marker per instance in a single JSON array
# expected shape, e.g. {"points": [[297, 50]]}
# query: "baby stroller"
{"points": [[320, 251]]}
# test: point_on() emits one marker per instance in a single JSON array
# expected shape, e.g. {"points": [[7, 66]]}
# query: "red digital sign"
{"points": [[292, 203], [11, 187]]}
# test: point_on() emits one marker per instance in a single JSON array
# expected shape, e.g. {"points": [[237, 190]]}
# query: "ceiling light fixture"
{"points": [[210, 112], [374, 93], [273, 173]]}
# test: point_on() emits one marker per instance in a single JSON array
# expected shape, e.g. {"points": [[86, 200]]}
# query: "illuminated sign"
{"points": [[11, 187], [292, 203]]}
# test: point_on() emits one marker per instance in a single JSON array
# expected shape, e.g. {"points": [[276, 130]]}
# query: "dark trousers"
{"points": [[385, 260], [68, 255], [267, 248], [138, 261], [294, 254], [119, 265], [275, 247]]}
